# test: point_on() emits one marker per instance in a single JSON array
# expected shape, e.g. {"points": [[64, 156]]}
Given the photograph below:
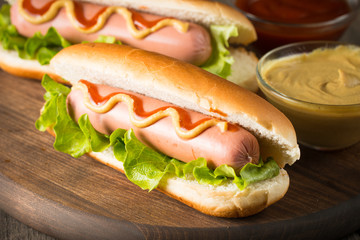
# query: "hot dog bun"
{"points": [[205, 13], [184, 85], [193, 88], [225, 200]]}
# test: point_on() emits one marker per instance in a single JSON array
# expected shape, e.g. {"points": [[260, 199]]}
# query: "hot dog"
{"points": [[180, 29], [108, 91], [191, 44], [234, 146]]}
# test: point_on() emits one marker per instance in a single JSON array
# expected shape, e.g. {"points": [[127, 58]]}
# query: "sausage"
{"points": [[194, 46], [234, 147]]}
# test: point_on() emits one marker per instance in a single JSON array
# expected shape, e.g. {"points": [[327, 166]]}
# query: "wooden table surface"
{"points": [[10, 228]]}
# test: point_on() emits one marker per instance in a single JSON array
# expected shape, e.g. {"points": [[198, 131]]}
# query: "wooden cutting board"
{"points": [[72, 198]]}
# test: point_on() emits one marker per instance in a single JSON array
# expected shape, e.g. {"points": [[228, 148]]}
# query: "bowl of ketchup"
{"points": [[279, 22]]}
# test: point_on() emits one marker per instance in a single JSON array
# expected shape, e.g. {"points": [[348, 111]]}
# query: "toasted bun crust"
{"points": [[184, 85], [202, 12], [225, 200]]}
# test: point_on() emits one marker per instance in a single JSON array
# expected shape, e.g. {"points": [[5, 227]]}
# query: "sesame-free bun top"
{"points": [[202, 12], [184, 85]]}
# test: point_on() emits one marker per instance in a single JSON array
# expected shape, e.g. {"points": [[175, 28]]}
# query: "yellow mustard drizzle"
{"points": [[70, 11], [141, 123]]}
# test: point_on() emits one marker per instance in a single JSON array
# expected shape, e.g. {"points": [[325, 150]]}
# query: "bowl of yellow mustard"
{"points": [[317, 86]]}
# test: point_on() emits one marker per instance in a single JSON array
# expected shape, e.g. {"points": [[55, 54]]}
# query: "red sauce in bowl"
{"points": [[295, 11], [279, 22]]}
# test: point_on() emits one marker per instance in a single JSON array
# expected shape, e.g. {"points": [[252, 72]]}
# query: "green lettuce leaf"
{"points": [[229, 172], [142, 165], [220, 61], [44, 47], [106, 39], [117, 141], [252, 173], [5, 15], [9, 37], [73, 138], [50, 110], [98, 142], [69, 138], [145, 167]]}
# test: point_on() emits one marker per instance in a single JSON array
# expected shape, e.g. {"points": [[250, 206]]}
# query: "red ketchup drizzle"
{"points": [[27, 5], [185, 119], [80, 17], [141, 23], [85, 23], [79, 12]]}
